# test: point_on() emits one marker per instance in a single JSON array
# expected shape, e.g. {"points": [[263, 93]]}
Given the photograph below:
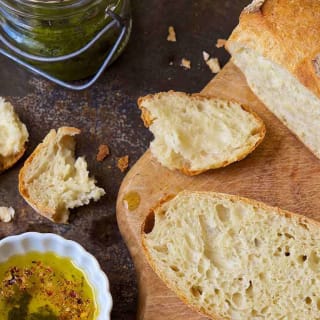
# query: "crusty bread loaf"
{"points": [[13, 136], [234, 258], [277, 47], [52, 181], [194, 133]]}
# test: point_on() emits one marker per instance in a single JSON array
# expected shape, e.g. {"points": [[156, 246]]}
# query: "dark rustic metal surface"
{"points": [[107, 113]]}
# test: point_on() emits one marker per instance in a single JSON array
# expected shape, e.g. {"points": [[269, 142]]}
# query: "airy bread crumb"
{"points": [[185, 63], [235, 258], [194, 133], [275, 45], [295, 106], [123, 163], [6, 214], [171, 34], [52, 181], [103, 152]]}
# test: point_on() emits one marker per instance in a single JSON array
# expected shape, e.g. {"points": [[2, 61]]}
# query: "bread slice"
{"points": [[277, 47], [13, 136], [194, 133], [52, 181], [235, 258]]}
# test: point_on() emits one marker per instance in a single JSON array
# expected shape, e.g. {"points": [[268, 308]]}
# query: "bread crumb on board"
{"points": [[220, 43], [123, 163], [103, 152], [171, 34], [185, 63], [6, 214], [212, 63]]}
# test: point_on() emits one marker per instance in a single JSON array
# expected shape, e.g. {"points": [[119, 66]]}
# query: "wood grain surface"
{"points": [[280, 172]]}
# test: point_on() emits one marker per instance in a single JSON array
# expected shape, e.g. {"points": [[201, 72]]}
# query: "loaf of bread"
{"points": [[13, 136], [234, 258], [277, 47], [52, 181], [194, 133]]}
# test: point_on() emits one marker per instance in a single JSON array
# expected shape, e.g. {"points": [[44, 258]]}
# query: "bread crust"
{"points": [[47, 212], [285, 32], [148, 119], [8, 162], [234, 198]]}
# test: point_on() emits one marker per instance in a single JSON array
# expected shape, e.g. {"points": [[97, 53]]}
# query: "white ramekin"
{"points": [[48, 242]]}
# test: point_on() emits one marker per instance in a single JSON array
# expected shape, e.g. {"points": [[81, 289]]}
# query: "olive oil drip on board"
{"points": [[43, 286], [131, 200]]}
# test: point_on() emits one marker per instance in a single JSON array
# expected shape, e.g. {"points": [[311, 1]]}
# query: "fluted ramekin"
{"points": [[48, 242]]}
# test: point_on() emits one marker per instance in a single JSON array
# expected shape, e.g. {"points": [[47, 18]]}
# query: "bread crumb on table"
{"points": [[103, 152], [171, 34], [220, 43], [205, 55], [185, 63], [6, 214], [214, 65], [123, 163]]}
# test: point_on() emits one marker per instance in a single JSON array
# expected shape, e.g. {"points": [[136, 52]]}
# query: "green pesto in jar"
{"points": [[52, 29], [44, 286]]}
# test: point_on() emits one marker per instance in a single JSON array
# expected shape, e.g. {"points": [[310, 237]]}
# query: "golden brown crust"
{"points": [[285, 32], [234, 198], [8, 162], [68, 131], [147, 119], [47, 212]]}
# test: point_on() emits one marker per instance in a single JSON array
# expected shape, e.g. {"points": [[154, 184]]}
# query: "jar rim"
{"points": [[66, 7]]}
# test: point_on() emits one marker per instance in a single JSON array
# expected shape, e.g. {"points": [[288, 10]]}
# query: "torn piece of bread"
{"points": [[235, 258], [13, 136], [194, 133], [52, 181], [276, 46]]}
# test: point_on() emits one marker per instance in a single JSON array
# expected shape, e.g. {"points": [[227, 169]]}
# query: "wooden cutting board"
{"points": [[281, 172]]}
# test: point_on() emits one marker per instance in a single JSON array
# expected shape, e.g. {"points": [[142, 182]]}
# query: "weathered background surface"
{"points": [[107, 113]]}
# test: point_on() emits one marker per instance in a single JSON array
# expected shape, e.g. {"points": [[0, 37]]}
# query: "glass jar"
{"points": [[35, 30]]}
